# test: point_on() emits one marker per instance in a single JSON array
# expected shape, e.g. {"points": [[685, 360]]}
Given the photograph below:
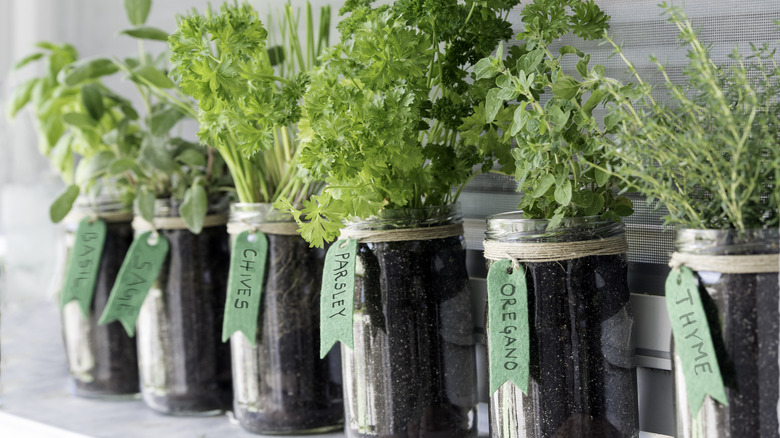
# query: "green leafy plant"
{"points": [[83, 126], [712, 156], [168, 166], [381, 113], [248, 93], [559, 146]]}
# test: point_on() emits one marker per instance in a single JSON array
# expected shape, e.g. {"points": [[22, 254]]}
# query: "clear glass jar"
{"points": [[582, 361], [745, 326], [281, 385], [184, 365], [412, 372], [102, 359]]}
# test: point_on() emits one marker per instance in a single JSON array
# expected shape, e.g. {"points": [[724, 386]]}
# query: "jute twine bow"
{"points": [[727, 264], [532, 252], [278, 228], [175, 223], [403, 234], [109, 216]]}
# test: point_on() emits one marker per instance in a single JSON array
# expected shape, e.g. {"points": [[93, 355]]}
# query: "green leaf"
{"points": [[164, 120], [78, 120], [93, 101], [565, 87], [153, 150], [144, 203], [582, 66], [146, 33], [93, 166], [121, 165], [63, 204], [21, 96], [565, 50], [519, 120], [26, 60], [88, 69], [544, 184], [485, 68], [276, 55], [492, 104], [153, 76], [623, 210], [601, 176], [596, 97], [558, 117], [137, 11], [563, 193], [596, 205], [192, 158], [194, 207]]}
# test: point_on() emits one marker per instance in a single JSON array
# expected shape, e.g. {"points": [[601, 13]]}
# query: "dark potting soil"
{"points": [[413, 368], [296, 390], [743, 310], [196, 361], [115, 369], [583, 379]]}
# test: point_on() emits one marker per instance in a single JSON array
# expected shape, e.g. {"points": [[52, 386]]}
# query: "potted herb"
{"points": [[248, 93], [711, 158], [181, 200], [559, 317], [81, 125], [380, 127]]}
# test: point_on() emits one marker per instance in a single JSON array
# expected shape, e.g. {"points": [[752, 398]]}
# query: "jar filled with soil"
{"points": [[581, 359], [184, 365], [102, 359], [744, 321], [412, 372], [281, 385]]}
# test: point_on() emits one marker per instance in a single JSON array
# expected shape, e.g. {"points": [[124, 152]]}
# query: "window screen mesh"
{"points": [[642, 30]]}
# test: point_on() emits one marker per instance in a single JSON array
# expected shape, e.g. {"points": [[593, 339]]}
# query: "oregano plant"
{"points": [[544, 113], [382, 112]]}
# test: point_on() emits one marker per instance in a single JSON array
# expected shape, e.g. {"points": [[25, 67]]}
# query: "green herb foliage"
{"points": [[558, 158], [83, 126], [247, 109], [383, 110], [712, 157]]}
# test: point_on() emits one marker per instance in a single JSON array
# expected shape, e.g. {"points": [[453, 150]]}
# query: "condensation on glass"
{"points": [[744, 318], [102, 359], [184, 365], [413, 369], [582, 359], [281, 385]]}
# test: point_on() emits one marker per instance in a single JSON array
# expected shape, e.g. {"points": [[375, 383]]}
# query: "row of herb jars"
{"points": [[411, 370]]}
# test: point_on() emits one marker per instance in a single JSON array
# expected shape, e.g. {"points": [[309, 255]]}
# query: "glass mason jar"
{"points": [[582, 362], [745, 327], [184, 365], [281, 385], [412, 372], [102, 359]]}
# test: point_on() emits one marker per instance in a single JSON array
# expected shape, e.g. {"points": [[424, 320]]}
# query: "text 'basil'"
{"points": [[508, 331], [693, 339], [245, 285], [139, 270], [338, 295], [84, 263]]}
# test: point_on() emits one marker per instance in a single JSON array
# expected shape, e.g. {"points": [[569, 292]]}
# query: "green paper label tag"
{"points": [[693, 340], [82, 270], [245, 285], [139, 270], [508, 331], [338, 295]]}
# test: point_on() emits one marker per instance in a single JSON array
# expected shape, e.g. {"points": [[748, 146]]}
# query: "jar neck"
{"points": [[253, 213], [101, 204], [512, 227], [393, 219], [727, 242], [169, 207]]}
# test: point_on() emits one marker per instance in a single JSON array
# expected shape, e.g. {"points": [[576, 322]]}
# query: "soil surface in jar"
{"points": [[413, 370], [194, 287], [116, 360], [743, 315], [295, 391], [582, 369]]}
